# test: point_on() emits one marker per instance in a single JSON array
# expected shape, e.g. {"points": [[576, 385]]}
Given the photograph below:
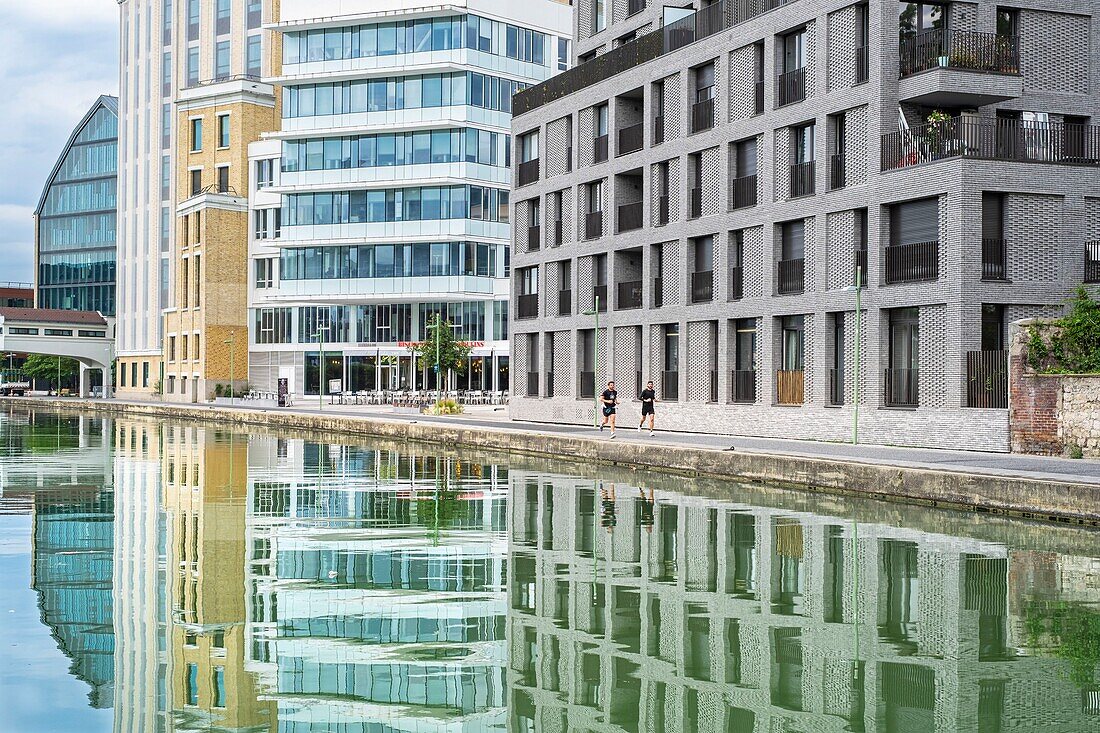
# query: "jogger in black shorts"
{"points": [[609, 399], [648, 398]]}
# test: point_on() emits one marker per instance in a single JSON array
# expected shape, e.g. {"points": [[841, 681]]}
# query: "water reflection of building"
{"points": [[633, 612], [376, 588], [204, 485]]}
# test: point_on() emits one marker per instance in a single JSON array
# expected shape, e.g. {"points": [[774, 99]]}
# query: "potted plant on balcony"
{"points": [[939, 134]]}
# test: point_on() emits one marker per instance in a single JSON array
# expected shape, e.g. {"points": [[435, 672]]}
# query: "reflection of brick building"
{"points": [[16, 295], [690, 614]]}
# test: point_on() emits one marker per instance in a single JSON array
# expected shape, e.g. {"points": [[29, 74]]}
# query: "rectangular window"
{"points": [[265, 173], [192, 66], [198, 279], [254, 60], [166, 74], [192, 684], [221, 60], [196, 135], [223, 179], [222, 17], [223, 131], [193, 20], [144, 374], [196, 181], [171, 348], [264, 272]]}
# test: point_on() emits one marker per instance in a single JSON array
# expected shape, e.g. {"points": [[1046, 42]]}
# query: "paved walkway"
{"points": [[998, 464]]}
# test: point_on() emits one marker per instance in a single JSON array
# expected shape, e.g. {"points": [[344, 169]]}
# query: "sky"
{"points": [[56, 58]]}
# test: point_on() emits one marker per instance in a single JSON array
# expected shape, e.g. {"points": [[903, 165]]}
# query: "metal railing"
{"points": [[954, 49], [695, 203], [743, 192], [743, 386], [630, 139], [906, 263], [836, 387], [593, 225], [658, 129], [586, 384], [702, 115], [737, 283], [987, 379], [599, 294], [565, 302], [902, 388], [532, 384], [630, 216], [859, 264], [837, 176], [662, 210], [527, 306], [791, 276], [713, 386], [670, 386], [992, 139], [549, 384], [802, 179], [628, 295], [534, 238], [863, 64], [599, 149], [569, 159], [1092, 262], [527, 172], [790, 87], [789, 386], [559, 232], [658, 292], [994, 259], [759, 97], [702, 286]]}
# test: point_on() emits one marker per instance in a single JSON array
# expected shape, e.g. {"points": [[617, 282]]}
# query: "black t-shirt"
{"points": [[609, 397], [647, 395]]}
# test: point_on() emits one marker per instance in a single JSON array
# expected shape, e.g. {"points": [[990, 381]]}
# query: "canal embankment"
{"points": [[1055, 489]]}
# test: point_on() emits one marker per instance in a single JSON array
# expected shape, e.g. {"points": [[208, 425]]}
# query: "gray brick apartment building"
{"points": [[718, 177]]}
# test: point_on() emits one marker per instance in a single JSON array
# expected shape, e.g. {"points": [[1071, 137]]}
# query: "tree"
{"points": [[453, 355], [49, 368]]}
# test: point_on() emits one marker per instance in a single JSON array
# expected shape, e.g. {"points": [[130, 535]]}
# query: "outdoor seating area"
{"points": [[418, 398]]}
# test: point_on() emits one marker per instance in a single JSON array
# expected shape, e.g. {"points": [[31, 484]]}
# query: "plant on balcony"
{"points": [[1068, 345], [939, 128], [963, 58]]}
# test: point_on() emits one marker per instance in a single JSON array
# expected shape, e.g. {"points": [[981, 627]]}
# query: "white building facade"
{"points": [[384, 198]]}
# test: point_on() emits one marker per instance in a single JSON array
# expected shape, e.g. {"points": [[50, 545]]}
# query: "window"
{"points": [[670, 376], [144, 374], [922, 16], [529, 147], [837, 168], [196, 135], [223, 131], [222, 16], [192, 684], [265, 173], [221, 60], [254, 10], [264, 272], [223, 179], [192, 66], [794, 49], [196, 181], [166, 74], [253, 63], [198, 278], [219, 687], [792, 357], [594, 201], [904, 357], [1008, 22], [273, 325], [563, 54], [599, 16], [171, 348], [193, 20], [745, 347], [802, 143]]}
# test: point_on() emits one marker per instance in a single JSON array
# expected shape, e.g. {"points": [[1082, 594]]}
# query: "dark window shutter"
{"points": [[794, 240], [915, 221]]}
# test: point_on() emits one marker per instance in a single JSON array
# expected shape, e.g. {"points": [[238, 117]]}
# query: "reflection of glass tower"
{"points": [[375, 587]]}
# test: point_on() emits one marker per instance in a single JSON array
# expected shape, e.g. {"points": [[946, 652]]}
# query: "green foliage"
{"points": [[40, 366], [446, 407], [1070, 345], [1074, 630], [440, 337], [227, 391], [219, 390], [158, 387], [1075, 451]]}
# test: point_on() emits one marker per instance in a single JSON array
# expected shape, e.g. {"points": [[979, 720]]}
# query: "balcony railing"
{"points": [[790, 87], [630, 216], [658, 292], [994, 259], [863, 64], [737, 283], [695, 203], [532, 384], [702, 286], [628, 295], [586, 384], [599, 149], [569, 159], [559, 232], [599, 297], [702, 115], [902, 388], [791, 276], [759, 97], [630, 139], [527, 172], [789, 386], [968, 50], [565, 302], [549, 384], [837, 177], [987, 379], [906, 263], [712, 392], [836, 387], [534, 238], [658, 129], [662, 210], [859, 265], [802, 179], [527, 306], [744, 192], [1092, 262], [670, 386], [634, 6], [743, 386], [995, 139], [593, 225]]}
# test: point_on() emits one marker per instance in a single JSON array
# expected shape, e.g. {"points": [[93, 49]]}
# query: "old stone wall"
{"points": [[1080, 413]]}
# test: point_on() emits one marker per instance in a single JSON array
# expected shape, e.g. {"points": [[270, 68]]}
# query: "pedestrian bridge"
{"points": [[86, 336]]}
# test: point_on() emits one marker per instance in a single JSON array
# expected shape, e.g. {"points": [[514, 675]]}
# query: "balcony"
{"points": [[630, 216], [527, 305], [790, 87], [744, 192], [994, 259], [759, 97], [863, 64], [1092, 262], [837, 177], [959, 68], [702, 115], [534, 238], [916, 262], [559, 232], [743, 386], [658, 129], [527, 172], [633, 7], [695, 203], [670, 386], [789, 385], [902, 388], [987, 379], [532, 384], [630, 139], [702, 286], [737, 283], [599, 149], [628, 295], [791, 276], [599, 297], [565, 302], [586, 385], [662, 210], [658, 292], [836, 387], [593, 225], [802, 179]]}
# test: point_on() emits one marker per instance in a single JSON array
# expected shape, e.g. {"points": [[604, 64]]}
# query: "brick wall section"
{"points": [[1033, 407]]}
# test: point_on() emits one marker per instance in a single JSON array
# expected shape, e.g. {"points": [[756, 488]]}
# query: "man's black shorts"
{"points": [[647, 409]]}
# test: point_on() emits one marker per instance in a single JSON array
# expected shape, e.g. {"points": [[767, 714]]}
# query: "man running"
{"points": [[609, 399], [648, 397]]}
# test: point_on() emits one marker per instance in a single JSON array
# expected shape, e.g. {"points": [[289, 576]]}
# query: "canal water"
{"points": [[161, 576]]}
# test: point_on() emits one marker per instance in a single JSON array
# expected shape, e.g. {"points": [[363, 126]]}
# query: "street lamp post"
{"points": [[320, 367], [231, 342], [595, 360], [859, 327]]}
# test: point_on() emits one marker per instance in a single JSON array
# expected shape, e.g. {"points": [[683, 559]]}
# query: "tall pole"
{"points": [[596, 365], [321, 368], [232, 383], [438, 373], [859, 325]]}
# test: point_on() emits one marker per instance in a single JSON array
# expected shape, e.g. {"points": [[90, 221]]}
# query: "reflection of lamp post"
{"points": [[320, 367], [858, 287], [595, 359], [231, 342]]}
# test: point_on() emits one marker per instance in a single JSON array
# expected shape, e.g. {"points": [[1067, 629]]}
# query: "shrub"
{"points": [[219, 390], [1070, 345], [446, 407]]}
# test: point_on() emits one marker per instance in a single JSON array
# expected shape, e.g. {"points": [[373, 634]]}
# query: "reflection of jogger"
{"points": [[645, 509], [608, 400], [607, 508], [648, 398]]}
